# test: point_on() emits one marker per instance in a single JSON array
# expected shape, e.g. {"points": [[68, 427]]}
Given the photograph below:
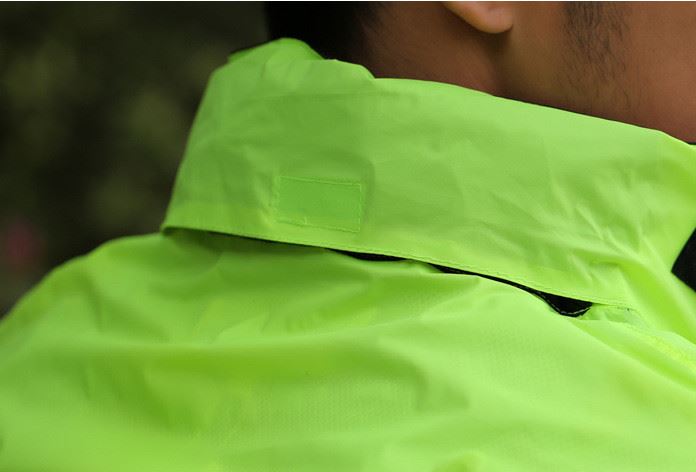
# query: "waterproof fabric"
{"points": [[244, 336]]}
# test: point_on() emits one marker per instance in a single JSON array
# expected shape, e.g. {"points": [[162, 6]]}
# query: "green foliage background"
{"points": [[96, 100]]}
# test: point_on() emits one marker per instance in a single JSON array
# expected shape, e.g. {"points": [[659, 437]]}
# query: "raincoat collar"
{"points": [[288, 146]]}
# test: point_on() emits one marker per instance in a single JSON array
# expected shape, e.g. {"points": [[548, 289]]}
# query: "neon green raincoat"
{"points": [[361, 274]]}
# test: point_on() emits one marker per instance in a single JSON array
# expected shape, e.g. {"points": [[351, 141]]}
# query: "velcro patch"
{"points": [[319, 203]]}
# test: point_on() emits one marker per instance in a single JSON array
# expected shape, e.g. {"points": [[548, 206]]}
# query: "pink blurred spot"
{"points": [[22, 246]]}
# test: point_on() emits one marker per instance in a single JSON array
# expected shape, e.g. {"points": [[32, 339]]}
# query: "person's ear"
{"points": [[487, 17]]}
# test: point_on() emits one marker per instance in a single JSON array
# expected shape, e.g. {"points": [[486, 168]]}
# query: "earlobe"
{"points": [[487, 17]]}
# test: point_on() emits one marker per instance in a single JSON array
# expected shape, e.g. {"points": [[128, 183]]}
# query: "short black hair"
{"points": [[336, 30], [596, 33]]}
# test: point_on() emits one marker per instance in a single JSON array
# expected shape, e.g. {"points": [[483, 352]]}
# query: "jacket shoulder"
{"points": [[119, 272]]}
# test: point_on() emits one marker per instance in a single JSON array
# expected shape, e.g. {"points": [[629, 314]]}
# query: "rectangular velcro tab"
{"points": [[319, 203]]}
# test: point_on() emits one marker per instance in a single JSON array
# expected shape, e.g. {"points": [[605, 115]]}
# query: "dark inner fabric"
{"points": [[685, 266], [562, 305]]}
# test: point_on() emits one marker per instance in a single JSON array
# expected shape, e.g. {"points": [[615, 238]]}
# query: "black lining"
{"points": [[562, 305], [685, 265]]}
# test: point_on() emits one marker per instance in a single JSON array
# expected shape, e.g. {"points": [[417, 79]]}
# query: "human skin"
{"points": [[633, 62]]}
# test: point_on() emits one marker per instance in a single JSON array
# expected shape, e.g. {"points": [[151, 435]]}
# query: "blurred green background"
{"points": [[96, 100]]}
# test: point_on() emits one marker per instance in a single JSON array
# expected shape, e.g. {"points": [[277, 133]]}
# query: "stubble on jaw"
{"points": [[595, 59]]}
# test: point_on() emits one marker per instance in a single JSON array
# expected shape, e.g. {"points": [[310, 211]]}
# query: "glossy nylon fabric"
{"points": [[236, 339]]}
